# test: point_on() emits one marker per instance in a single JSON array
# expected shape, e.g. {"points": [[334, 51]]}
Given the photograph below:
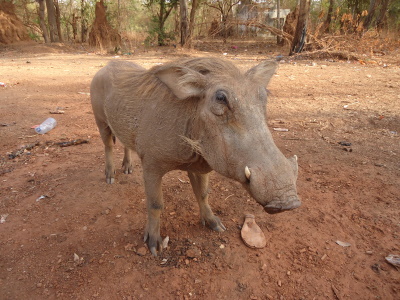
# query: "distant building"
{"points": [[260, 11]]}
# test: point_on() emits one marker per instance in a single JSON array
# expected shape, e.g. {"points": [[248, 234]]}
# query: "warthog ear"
{"points": [[182, 81], [263, 72]]}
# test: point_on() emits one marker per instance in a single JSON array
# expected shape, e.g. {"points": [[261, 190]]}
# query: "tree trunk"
{"points": [[42, 21], [278, 18], [371, 13], [301, 27], [58, 17], [191, 22], [328, 20], [184, 22], [380, 21], [51, 17], [84, 26], [74, 26], [161, 34]]}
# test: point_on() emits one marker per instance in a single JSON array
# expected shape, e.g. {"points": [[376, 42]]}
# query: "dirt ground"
{"points": [[83, 238]]}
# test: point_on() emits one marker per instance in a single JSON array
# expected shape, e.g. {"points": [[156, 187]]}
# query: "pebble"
{"points": [[141, 251], [130, 247], [193, 252]]}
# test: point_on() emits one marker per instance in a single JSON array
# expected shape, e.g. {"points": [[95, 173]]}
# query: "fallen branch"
{"points": [[21, 150], [72, 143], [323, 53], [28, 147]]}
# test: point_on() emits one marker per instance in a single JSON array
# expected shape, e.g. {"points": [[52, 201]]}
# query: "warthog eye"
{"points": [[220, 96]]}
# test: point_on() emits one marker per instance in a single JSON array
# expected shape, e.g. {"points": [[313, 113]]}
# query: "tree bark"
{"points": [[301, 27], [380, 21], [192, 22], [278, 18], [184, 22], [371, 13], [328, 20], [42, 22], [84, 26], [58, 17], [51, 17]]}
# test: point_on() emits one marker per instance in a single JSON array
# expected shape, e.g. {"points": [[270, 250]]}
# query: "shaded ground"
{"points": [[349, 193]]}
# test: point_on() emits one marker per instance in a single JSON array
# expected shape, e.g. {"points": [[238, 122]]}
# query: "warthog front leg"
{"points": [[200, 188], [155, 206]]}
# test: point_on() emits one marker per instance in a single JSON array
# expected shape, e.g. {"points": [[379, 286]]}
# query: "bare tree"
{"points": [[42, 22], [84, 22], [184, 22], [58, 17], [195, 4], [225, 8], [51, 17], [301, 27]]}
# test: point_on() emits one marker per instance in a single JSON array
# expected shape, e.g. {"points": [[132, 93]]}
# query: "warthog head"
{"points": [[229, 127]]}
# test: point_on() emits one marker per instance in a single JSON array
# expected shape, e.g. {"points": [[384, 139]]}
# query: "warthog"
{"points": [[196, 115]]}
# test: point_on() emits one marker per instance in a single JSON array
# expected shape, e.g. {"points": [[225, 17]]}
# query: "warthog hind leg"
{"points": [[108, 140]]}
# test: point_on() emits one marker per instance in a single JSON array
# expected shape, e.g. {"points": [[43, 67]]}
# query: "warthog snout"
{"points": [[276, 206], [273, 184]]}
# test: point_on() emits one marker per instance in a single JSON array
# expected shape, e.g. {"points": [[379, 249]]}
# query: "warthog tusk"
{"points": [[295, 157], [247, 172]]}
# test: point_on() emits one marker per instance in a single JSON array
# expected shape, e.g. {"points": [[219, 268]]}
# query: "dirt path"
{"points": [[82, 239]]}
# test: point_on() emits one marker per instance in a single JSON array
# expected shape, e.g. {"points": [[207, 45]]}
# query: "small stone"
{"points": [[187, 261], [39, 285], [165, 242], [129, 247], [222, 246], [264, 266], [193, 252], [141, 251], [288, 273], [323, 256], [279, 283]]}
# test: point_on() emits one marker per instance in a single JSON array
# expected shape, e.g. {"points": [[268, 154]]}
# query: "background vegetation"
{"points": [[163, 22]]}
